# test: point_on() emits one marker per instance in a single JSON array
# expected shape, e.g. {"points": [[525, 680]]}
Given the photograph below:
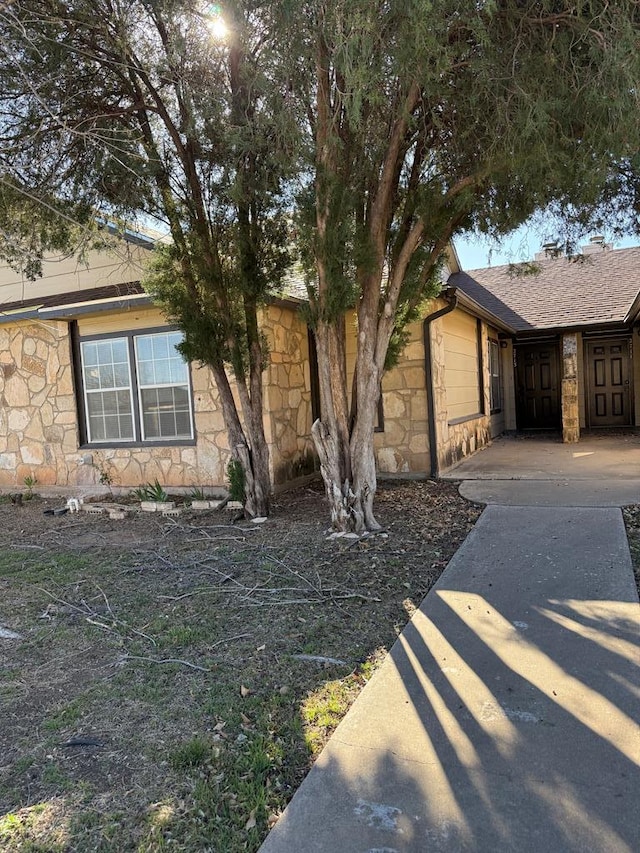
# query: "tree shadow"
{"points": [[487, 727]]}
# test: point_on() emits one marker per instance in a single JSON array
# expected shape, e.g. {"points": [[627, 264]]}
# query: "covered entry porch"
{"points": [[538, 470], [575, 381]]}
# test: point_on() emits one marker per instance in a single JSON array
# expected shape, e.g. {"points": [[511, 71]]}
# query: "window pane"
{"points": [[158, 361], [107, 376], [119, 350], [144, 348], [105, 368], [92, 377], [121, 375], [165, 413], [106, 364], [109, 416], [89, 354], [163, 372], [160, 346], [146, 373]]}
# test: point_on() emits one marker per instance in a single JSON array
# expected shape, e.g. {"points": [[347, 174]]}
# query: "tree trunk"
{"points": [[248, 448], [345, 451], [363, 462]]}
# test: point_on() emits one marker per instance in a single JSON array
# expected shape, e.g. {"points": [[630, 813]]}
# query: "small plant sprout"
{"points": [[197, 494], [105, 475], [151, 492], [30, 482]]}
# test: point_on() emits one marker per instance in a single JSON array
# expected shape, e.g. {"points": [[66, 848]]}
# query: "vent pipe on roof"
{"points": [[596, 244], [549, 250]]}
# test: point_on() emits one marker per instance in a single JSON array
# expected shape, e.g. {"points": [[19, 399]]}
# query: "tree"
{"points": [[123, 109], [427, 118], [419, 119]]}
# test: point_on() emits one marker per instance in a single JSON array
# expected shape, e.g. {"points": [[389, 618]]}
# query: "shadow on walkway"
{"points": [[506, 715]]}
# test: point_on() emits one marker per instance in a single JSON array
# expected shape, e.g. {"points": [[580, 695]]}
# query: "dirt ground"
{"points": [[175, 678]]}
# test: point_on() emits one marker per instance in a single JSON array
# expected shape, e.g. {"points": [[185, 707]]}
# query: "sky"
{"points": [[475, 252]]}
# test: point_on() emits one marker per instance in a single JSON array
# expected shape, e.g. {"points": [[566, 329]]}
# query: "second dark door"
{"points": [[538, 387], [608, 389]]}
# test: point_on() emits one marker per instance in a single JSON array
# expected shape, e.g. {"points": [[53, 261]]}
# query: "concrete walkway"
{"points": [[505, 717]]}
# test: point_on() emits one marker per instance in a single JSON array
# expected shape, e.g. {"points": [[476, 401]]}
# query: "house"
{"points": [[92, 389], [568, 362]]}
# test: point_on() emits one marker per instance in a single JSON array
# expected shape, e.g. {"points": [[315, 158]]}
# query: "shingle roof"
{"points": [[592, 290]]}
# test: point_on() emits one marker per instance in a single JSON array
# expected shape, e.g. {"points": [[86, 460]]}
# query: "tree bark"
{"points": [[344, 440], [248, 446]]}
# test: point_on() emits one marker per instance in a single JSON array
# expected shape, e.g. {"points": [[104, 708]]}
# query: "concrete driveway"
{"points": [[601, 470]]}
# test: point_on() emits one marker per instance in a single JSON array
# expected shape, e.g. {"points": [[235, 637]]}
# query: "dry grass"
{"points": [[155, 702], [631, 515]]}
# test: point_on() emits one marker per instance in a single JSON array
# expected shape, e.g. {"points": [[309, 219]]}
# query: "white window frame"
{"points": [[141, 388], [89, 391], [134, 390]]}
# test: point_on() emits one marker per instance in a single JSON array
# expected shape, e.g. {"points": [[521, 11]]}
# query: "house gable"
{"points": [[594, 289]]}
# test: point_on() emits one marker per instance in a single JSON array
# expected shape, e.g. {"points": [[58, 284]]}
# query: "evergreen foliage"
{"points": [[379, 129]]}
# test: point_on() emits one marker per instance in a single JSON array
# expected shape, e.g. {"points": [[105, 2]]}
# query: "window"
{"points": [[495, 389], [136, 389]]}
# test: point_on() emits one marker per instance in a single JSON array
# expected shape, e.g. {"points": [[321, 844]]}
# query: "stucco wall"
{"points": [[461, 363], [124, 263]]}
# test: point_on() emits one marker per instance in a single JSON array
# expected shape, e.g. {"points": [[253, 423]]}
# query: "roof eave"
{"points": [[631, 316], [473, 307], [607, 325], [68, 312]]}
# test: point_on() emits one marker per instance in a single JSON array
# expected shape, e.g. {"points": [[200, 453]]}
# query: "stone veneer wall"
{"points": [[39, 434], [570, 406], [38, 424], [288, 394], [455, 441], [403, 445]]}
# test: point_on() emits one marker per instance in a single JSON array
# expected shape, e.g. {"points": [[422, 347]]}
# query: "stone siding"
{"points": [[39, 432], [403, 445], [288, 395], [38, 424], [570, 397]]}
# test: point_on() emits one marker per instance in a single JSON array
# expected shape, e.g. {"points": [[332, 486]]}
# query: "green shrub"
{"points": [[235, 473]]}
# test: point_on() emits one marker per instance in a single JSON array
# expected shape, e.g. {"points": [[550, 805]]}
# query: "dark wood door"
{"points": [[538, 391], [608, 386]]}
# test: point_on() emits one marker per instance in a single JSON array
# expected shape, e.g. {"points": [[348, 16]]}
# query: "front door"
{"points": [[608, 385], [538, 391]]}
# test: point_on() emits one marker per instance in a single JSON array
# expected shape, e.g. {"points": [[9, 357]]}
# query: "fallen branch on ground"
{"points": [[126, 658], [320, 659]]}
